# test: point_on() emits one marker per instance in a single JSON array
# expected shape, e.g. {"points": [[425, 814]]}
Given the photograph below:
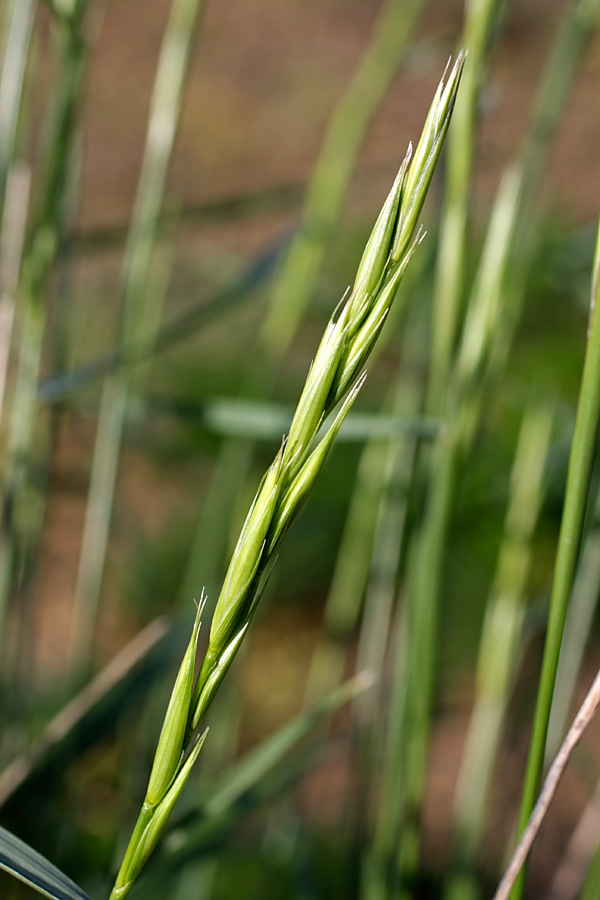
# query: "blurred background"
{"points": [[186, 190]]}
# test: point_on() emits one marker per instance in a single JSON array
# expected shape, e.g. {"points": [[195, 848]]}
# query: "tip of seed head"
{"points": [[201, 603]]}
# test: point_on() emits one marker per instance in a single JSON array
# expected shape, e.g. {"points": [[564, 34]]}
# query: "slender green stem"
{"points": [[15, 48], [38, 259], [334, 380], [135, 309], [484, 343], [329, 181], [480, 16], [498, 650], [298, 272], [584, 601], [591, 887], [571, 529]]}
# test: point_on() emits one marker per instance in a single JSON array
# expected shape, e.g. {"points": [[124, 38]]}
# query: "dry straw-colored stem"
{"points": [[576, 731]]}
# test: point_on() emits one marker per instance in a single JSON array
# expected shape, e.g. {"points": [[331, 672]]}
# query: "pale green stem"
{"points": [[574, 31], [329, 182], [498, 651], [517, 201], [16, 202], [580, 616], [388, 545], [571, 529], [15, 50], [591, 887], [480, 16], [38, 259], [346, 594], [136, 303], [297, 276]]}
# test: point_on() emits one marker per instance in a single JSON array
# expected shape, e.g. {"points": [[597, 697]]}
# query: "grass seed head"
{"points": [[294, 496], [171, 742], [377, 252], [246, 558], [311, 407], [156, 824], [425, 159]]}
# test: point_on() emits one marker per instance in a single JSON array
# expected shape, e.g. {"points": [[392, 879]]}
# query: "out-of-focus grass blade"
{"points": [[18, 24], [583, 448], [58, 387], [580, 616], [262, 773], [14, 216], [280, 197], [139, 305], [29, 866], [268, 421], [301, 266], [480, 18], [591, 887], [261, 760], [86, 719], [498, 650]]}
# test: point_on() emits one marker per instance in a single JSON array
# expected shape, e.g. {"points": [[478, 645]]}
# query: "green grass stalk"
{"points": [[426, 575], [484, 328], [298, 272], [354, 562], [135, 309], [498, 651], [333, 382], [15, 51], [571, 529], [480, 18], [328, 186], [591, 887], [16, 204], [578, 624], [38, 259], [388, 541]]}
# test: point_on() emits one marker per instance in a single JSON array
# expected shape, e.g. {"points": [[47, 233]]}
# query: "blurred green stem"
{"points": [[297, 274], [578, 624], [16, 39], [39, 257], [571, 529], [480, 17], [484, 344], [328, 185], [591, 887], [498, 650], [137, 302]]}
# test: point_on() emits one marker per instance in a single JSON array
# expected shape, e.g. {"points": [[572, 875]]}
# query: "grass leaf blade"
{"points": [[29, 866]]}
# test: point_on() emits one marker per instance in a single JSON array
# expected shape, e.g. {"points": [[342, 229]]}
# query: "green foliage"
{"points": [[177, 342]]}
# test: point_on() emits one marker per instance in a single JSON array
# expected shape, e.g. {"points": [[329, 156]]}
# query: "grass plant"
{"points": [[24, 444], [135, 310], [576, 495], [334, 380], [435, 525], [499, 648], [299, 268]]}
